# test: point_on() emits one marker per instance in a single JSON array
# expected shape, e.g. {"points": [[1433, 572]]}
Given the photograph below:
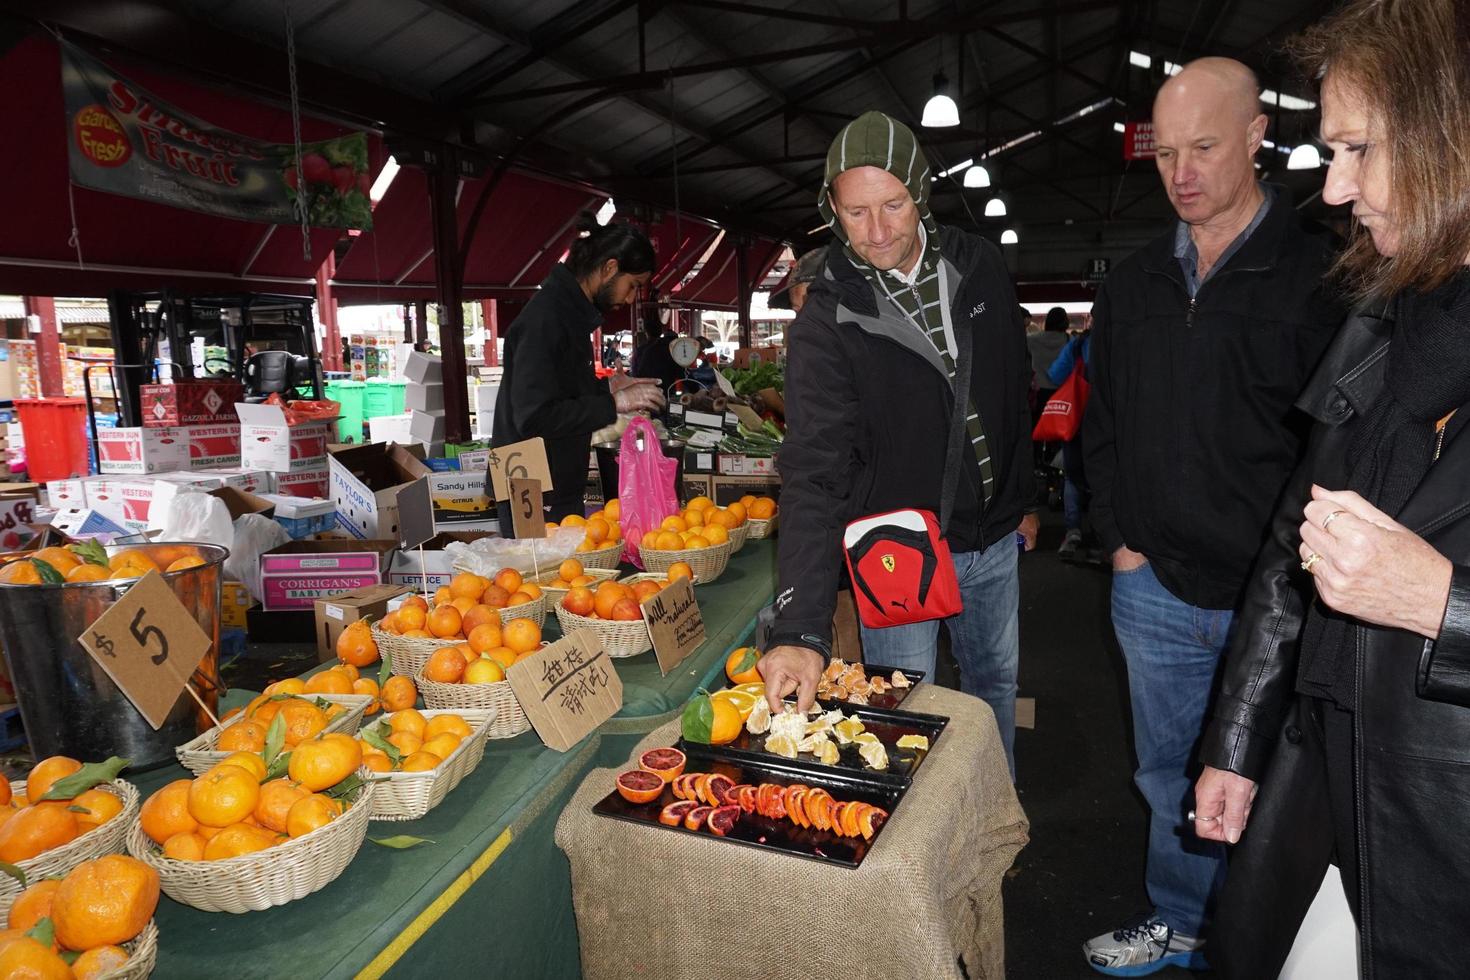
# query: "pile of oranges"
{"points": [[31, 826], [702, 524], [406, 741], [601, 528], [96, 908], [302, 716], [485, 654], [468, 601], [233, 809], [616, 601], [81, 563]]}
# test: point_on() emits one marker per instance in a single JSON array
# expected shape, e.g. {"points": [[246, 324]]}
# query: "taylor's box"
{"points": [[136, 450], [365, 485], [190, 403], [296, 575], [213, 446], [268, 443]]}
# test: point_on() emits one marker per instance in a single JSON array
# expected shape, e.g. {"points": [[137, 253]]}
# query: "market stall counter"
{"points": [[492, 892]]}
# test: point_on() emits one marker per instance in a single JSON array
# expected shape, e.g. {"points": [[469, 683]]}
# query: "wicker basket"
{"points": [[198, 755], [636, 577], [763, 528], [606, 557], [55, 863], [535, 610], [142, 956], [620, 638], [409, 653], [555, 596], [707, 564], [738, 537], [510, 718], [410, 795], [264, 879]]}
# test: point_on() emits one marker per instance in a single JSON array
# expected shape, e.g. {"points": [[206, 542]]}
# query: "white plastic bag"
{"points": [[254, 535], [529, 556], [197, 517]]}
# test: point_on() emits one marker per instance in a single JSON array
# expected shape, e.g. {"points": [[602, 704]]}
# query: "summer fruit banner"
{"points": [[124, 140]]}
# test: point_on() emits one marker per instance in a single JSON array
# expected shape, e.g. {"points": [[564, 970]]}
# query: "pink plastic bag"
{"points": [[645, 485]]}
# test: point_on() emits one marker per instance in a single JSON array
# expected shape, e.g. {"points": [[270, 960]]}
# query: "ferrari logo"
{"points": [[889, 563]]}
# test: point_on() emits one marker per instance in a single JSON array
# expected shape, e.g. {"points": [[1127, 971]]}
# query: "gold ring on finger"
{"points": [[1311, 560]]}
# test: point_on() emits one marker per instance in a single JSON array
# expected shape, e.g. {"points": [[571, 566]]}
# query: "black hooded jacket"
{"points": [[868, 410]]}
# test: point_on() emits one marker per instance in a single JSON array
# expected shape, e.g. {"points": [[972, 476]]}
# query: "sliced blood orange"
{"points": [[638, 786], [778, 803], [816, 809], [666, 763], [850, 819], [717, 790], [722, 819], [694, 819], [747, 798], [763, 798], [673, 814], [795, 805], [832, 816], [683, 785], [869, 821], [701, 787]]}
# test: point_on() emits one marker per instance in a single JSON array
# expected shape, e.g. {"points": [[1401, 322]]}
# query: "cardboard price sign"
{"points": [[520, 460], [567, 689], [415, 513], [527, 513], [674, 622], [150, 645]]}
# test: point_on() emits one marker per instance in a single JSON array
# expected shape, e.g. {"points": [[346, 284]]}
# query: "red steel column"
{"points": [[48, 350], [491, 310], [326, 305]]}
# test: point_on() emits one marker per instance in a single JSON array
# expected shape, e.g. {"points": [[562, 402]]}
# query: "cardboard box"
{"points": [[125, 502], [695, 485], [391, 428], [364, 485], [234, 602], [306, 483], [17, 517], [751, 356], [251, 481], [335, 613], [268, 443], [190, 403], [427, 429], [474, 461], [239, 503], [734, 464], [699, 460], [135, 450], [411, 566], [213, 446], [67, 494], [303, 516], [423, 368], [424, 397], [87, 523], [460, 502], [715, 422], [297, 574], [728, 489]]}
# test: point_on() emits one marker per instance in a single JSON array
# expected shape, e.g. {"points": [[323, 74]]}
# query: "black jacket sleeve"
{"points": [[817, 467], [1444, 667], [535, 391], [1098, 429]]}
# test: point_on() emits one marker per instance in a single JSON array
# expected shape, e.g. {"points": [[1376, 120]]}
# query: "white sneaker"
{"points": [[1142, 946]]}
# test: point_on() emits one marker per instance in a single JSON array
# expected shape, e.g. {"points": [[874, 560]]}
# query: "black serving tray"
{"points": [[889, 726], [753, 830]]}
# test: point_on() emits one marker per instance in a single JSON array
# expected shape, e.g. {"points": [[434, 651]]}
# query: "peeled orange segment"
{"points": [[673, 814], [758, 722], [782, 745], [914, 742], [847, 730], [758, 688], [828, 753], [875, 755], [640, 786], [865, 738]]}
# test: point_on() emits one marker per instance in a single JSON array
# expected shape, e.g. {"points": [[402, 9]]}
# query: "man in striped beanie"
{"points": [[870, 409]]}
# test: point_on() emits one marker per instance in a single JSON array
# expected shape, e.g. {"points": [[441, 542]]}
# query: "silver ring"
{"points": [[1312, 559], [1195, 819], [1332, 517]]}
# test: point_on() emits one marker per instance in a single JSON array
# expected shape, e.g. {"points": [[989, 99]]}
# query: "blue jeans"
{"points": [[1172, 650], [985, 636]]}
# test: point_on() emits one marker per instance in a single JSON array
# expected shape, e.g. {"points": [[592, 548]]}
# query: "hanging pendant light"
{"points": [[995, 208], [940, 111], [977, 176], [1009, 237]]}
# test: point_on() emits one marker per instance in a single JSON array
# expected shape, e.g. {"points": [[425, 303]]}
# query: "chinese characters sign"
{"points": [[567, 689], [123, 140]]}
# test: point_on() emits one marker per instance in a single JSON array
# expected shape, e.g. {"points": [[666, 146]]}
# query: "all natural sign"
{"points": [[675, 623]]}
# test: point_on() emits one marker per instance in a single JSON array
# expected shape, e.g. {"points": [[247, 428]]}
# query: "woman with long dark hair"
{"points": [[550, 387], [1346, 695]]}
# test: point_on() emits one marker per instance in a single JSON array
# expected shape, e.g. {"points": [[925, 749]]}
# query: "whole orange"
{"points": [[411, 618], [276, 800], [486, 636], [508, 579], [569, 569], [420, 761], [87, 572], [105, 902], [33, 904], [312, 813], [495, 597], [444, 621], [417, 602], [483, 671], [399, 693], [166, 812], [99, 805], [642, 590], [184, 847], [36, 829], [407, 743], [445, 666], [626, 610], [466, 585], [324, 762], [442, 745], [503, 655], [368, 686], [22, 956], [47, 772], [304, 720], [477, 616], [238, 839], [356, 645], [410, 720], [223, 796], [519, 598], [522, 635], [607, 597], [680, 569], [580, 601], [329, 682], [740, 666], [242, 736], [99, 962]]}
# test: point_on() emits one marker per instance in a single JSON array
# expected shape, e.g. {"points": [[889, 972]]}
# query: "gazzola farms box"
{"points": [[296, 575], [213, 446], [141, 451], [268, 443], [190, 403]]}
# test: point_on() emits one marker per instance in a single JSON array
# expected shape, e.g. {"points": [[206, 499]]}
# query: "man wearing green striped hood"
{"points": [[870, 397]]}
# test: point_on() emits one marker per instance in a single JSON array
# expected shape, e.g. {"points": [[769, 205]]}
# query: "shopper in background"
{"points": [[1201, 340], [550, 388], [1346, 694], [791, 294], [652, 357], [1044, 346], [869, 403], [1074, 487]]}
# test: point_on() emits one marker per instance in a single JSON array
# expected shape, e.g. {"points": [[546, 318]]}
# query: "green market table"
{"points": [[493, 893]]}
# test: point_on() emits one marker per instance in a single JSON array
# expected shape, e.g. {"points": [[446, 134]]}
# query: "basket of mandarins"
{"points": [[101, 922], [471, 675], [420, 756], [607, 556], [602, 541], [251, 834], [761, 514], [706, 564], [47, 842], [612, 612], [570, 574], [306, 715]]}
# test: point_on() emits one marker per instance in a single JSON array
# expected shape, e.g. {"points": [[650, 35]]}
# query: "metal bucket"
{"points": [[68, 703], [607, 465]]}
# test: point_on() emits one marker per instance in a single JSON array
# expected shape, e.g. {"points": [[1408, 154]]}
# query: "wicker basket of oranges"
{"points": [[762, 515], [602, 542], [612, 612], [49, 842], [101, 921], [707, 563], [406, 792], [471, 675], [570, 574], [306, 716]]}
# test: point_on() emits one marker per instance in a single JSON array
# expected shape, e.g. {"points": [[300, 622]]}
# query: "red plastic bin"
{"points": [[55, 431]]}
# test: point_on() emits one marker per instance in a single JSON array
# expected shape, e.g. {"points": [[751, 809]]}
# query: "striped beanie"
{"points": [[875, 139]]}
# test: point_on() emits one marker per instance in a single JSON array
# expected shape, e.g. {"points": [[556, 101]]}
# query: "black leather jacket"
{"points": [[1411, 721]]}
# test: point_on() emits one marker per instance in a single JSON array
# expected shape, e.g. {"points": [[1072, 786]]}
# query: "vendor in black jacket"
{"points": [[550, 388], [869, 402]]}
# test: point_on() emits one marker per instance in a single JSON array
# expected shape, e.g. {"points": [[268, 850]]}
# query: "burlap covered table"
{"points": [[656, 904]]}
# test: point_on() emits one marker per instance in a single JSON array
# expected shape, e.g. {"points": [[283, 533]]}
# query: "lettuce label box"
{"points": [[141, 451]]}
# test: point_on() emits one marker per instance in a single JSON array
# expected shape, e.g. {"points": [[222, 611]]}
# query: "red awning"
{"points": [[718, 283], [125, 242]]}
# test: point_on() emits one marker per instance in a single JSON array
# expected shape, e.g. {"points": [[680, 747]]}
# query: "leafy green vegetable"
{"points": [[91, 774], [699, 718], [401, 842]]}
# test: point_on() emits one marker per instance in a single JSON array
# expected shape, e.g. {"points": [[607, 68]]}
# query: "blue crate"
{"points": [[12, 730]]}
